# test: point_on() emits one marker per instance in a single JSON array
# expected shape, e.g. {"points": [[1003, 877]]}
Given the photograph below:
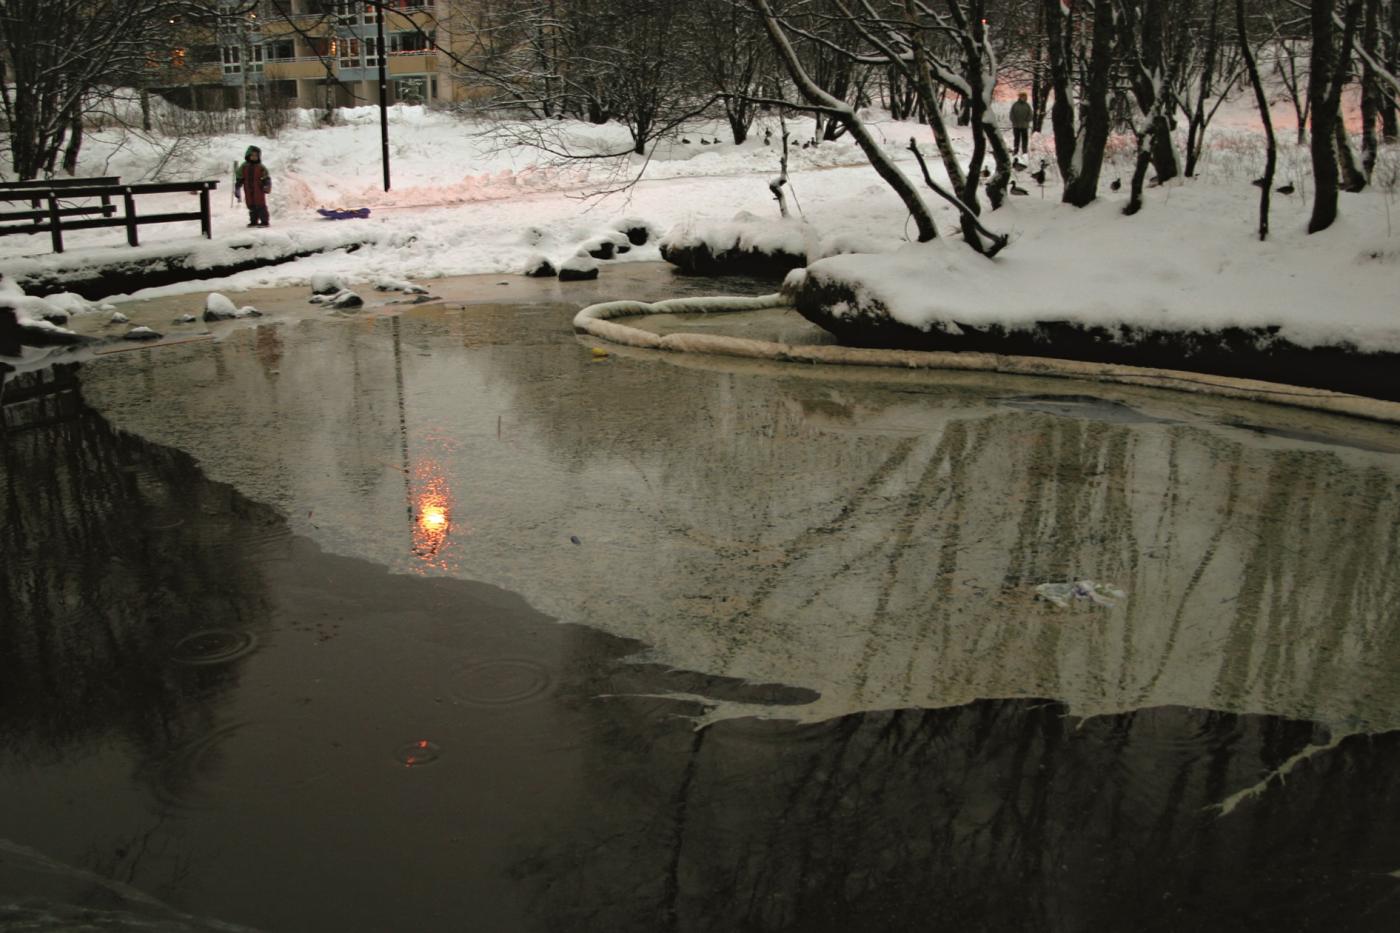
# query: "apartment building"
{"points": [[313, 53]]}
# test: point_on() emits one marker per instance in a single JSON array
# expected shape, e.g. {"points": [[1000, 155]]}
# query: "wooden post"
{"points": [[55, 223], [205, 226], [130, 217]]}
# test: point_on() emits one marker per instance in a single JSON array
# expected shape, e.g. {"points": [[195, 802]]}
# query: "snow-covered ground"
{"points": [[463, 201]]}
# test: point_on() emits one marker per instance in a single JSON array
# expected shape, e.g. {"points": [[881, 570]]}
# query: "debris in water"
{"points": [[1102, 594]]}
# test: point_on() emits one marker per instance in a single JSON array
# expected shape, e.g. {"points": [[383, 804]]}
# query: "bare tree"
{"points": [[60, 57], [1143, 38], [1290, 59], [817, 98], [734, 59], [1261, 100], [1329, 69], [1080, 140], [1372, 97], [1211, 74]]}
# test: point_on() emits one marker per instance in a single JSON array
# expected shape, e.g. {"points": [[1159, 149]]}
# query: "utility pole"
{"points": [[383, 93]]}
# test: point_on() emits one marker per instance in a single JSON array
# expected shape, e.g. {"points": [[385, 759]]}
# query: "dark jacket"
{"points": [[1021, 115], [253, 178]]}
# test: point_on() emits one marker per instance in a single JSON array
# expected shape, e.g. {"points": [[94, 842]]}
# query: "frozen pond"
{"points": [[386, 621]]}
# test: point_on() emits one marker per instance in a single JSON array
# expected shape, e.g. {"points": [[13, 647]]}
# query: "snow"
{"points": [[220, 304], [579, 264], [1193, 269], [30, 311], [748, 233], [463, 202]]}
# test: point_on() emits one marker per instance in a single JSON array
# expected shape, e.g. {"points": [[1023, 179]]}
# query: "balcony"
{"points": [[399, 63], [308, 66]]}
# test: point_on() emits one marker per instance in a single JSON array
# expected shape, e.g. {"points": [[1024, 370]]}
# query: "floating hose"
{"points": [[600, 321]]}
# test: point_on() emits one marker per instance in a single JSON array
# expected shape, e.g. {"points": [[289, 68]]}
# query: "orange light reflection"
{"points": [[432, 512]]}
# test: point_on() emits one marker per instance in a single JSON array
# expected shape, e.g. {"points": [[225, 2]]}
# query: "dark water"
{"points": [[288, 701]]}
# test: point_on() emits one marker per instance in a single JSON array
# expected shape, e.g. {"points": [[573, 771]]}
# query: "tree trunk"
{"points": [[1328, 74], [738, 127], [1389, 128], [928, 97], [1352, 178], [1196, 124], [1039, 83], [1261, 100], [146, 109], [75, 144], [1059, 35], [1082, 180], [1370, 87], [1140, 164]]}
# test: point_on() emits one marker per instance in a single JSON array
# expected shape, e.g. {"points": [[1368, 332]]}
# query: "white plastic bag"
{"points": [[1061, 594]]}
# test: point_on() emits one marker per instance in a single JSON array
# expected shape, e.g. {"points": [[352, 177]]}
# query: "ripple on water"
{"points": [[181, 779], [213, 646], [417, 753], [502, 682]]}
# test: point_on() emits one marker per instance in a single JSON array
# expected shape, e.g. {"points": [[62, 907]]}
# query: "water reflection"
{"points": [[999, 815], [432, 512], [873, 538], [880, 545], [110, 565]]}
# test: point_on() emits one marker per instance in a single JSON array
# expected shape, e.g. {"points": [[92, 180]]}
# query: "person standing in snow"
{"points": [[1021, 125], [252, 176]]}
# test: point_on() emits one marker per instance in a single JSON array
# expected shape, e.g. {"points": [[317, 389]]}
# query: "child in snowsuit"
{"points": [[253, 177], [1020, 125]]}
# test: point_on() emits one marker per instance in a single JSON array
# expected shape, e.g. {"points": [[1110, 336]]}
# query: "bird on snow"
{"points": [[1117, 184], [1017, 189], [986, 173], [1039, 174], [685, 141], [1017, 163], [704, 141], [1285, 189], [1259, 182]]}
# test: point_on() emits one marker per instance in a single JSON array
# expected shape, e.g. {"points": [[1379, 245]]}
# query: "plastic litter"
{"points": [[336, 213], [1061, 594]]}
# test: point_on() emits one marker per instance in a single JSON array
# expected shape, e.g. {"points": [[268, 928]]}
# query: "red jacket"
{"points": [[253, 178]]}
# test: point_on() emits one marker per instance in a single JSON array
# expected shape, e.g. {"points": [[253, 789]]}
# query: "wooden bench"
{"points": [[50, 205]]}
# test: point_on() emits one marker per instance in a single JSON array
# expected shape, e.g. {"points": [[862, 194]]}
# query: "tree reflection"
{"points": [[114, 550], [998, 815]]}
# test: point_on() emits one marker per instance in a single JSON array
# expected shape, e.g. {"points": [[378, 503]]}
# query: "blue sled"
{"points": [[359, 213]]}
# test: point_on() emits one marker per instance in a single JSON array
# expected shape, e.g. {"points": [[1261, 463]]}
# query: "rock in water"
{"points": [[326, 283], [219, 308], [344, 299], [578, 269]]}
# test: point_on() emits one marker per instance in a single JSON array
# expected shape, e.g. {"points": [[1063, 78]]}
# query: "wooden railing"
{"points": [[50, 205]]}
